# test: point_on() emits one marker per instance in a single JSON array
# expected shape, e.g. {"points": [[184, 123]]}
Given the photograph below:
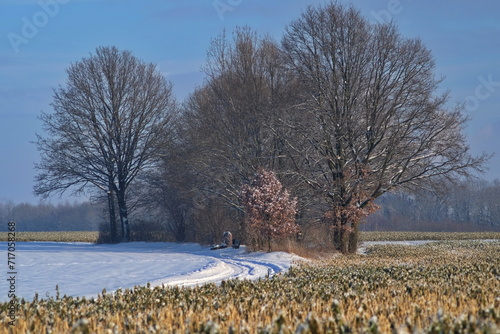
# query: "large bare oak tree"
{"points": [[377, 121], [107, 124]]}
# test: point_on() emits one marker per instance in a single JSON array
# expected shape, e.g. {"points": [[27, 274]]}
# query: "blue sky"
{"points": [[39, 39]]}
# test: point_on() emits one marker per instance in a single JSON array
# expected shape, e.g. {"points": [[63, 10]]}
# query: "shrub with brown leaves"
{"points": [[269, 210]]}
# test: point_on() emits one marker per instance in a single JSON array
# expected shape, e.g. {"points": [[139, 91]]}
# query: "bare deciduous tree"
{"points": [[377, 121], [106, 128], [230, 121]]}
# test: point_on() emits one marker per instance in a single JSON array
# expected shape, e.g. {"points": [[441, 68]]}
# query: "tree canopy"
{"points": [[340, 111], [378, 123]]}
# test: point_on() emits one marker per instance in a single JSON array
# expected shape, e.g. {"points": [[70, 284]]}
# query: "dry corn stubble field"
{"points": [[442, 287], [57, 236]]}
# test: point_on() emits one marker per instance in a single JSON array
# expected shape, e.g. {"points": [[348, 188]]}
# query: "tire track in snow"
{"points": [[224, 269]]}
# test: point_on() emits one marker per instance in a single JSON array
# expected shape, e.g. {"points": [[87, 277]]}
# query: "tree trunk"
{"points": [[269, 243], [122, 206], [354, 238], [180, 235], [112, 217], [344, 239], [345, 236]]}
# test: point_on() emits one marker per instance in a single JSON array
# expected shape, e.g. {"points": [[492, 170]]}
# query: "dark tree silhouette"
{"points": [[106, 128]]}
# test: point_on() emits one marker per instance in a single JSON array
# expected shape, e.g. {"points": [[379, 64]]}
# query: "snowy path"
{"points": [[82, 269]]}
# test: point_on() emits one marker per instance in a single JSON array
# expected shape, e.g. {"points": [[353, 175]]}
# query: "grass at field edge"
{"points": [[91, 236]]}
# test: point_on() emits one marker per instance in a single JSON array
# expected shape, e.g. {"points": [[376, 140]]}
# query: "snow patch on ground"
{"points": [[84, 269]]}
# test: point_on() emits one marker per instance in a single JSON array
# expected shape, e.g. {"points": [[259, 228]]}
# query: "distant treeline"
{"points": [[469, 206], [49, 217]]}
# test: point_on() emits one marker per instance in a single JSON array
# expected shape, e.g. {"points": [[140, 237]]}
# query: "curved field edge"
{"points": [[441, 287], [92, 236]]}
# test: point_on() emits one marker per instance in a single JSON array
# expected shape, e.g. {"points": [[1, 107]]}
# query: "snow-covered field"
{"points": [[84, 269]]}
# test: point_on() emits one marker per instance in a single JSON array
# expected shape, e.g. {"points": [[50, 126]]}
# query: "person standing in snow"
{"points": [[227, 238]]}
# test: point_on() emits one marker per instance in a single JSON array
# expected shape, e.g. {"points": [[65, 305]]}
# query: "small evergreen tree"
{"points": [[269, 210]]}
